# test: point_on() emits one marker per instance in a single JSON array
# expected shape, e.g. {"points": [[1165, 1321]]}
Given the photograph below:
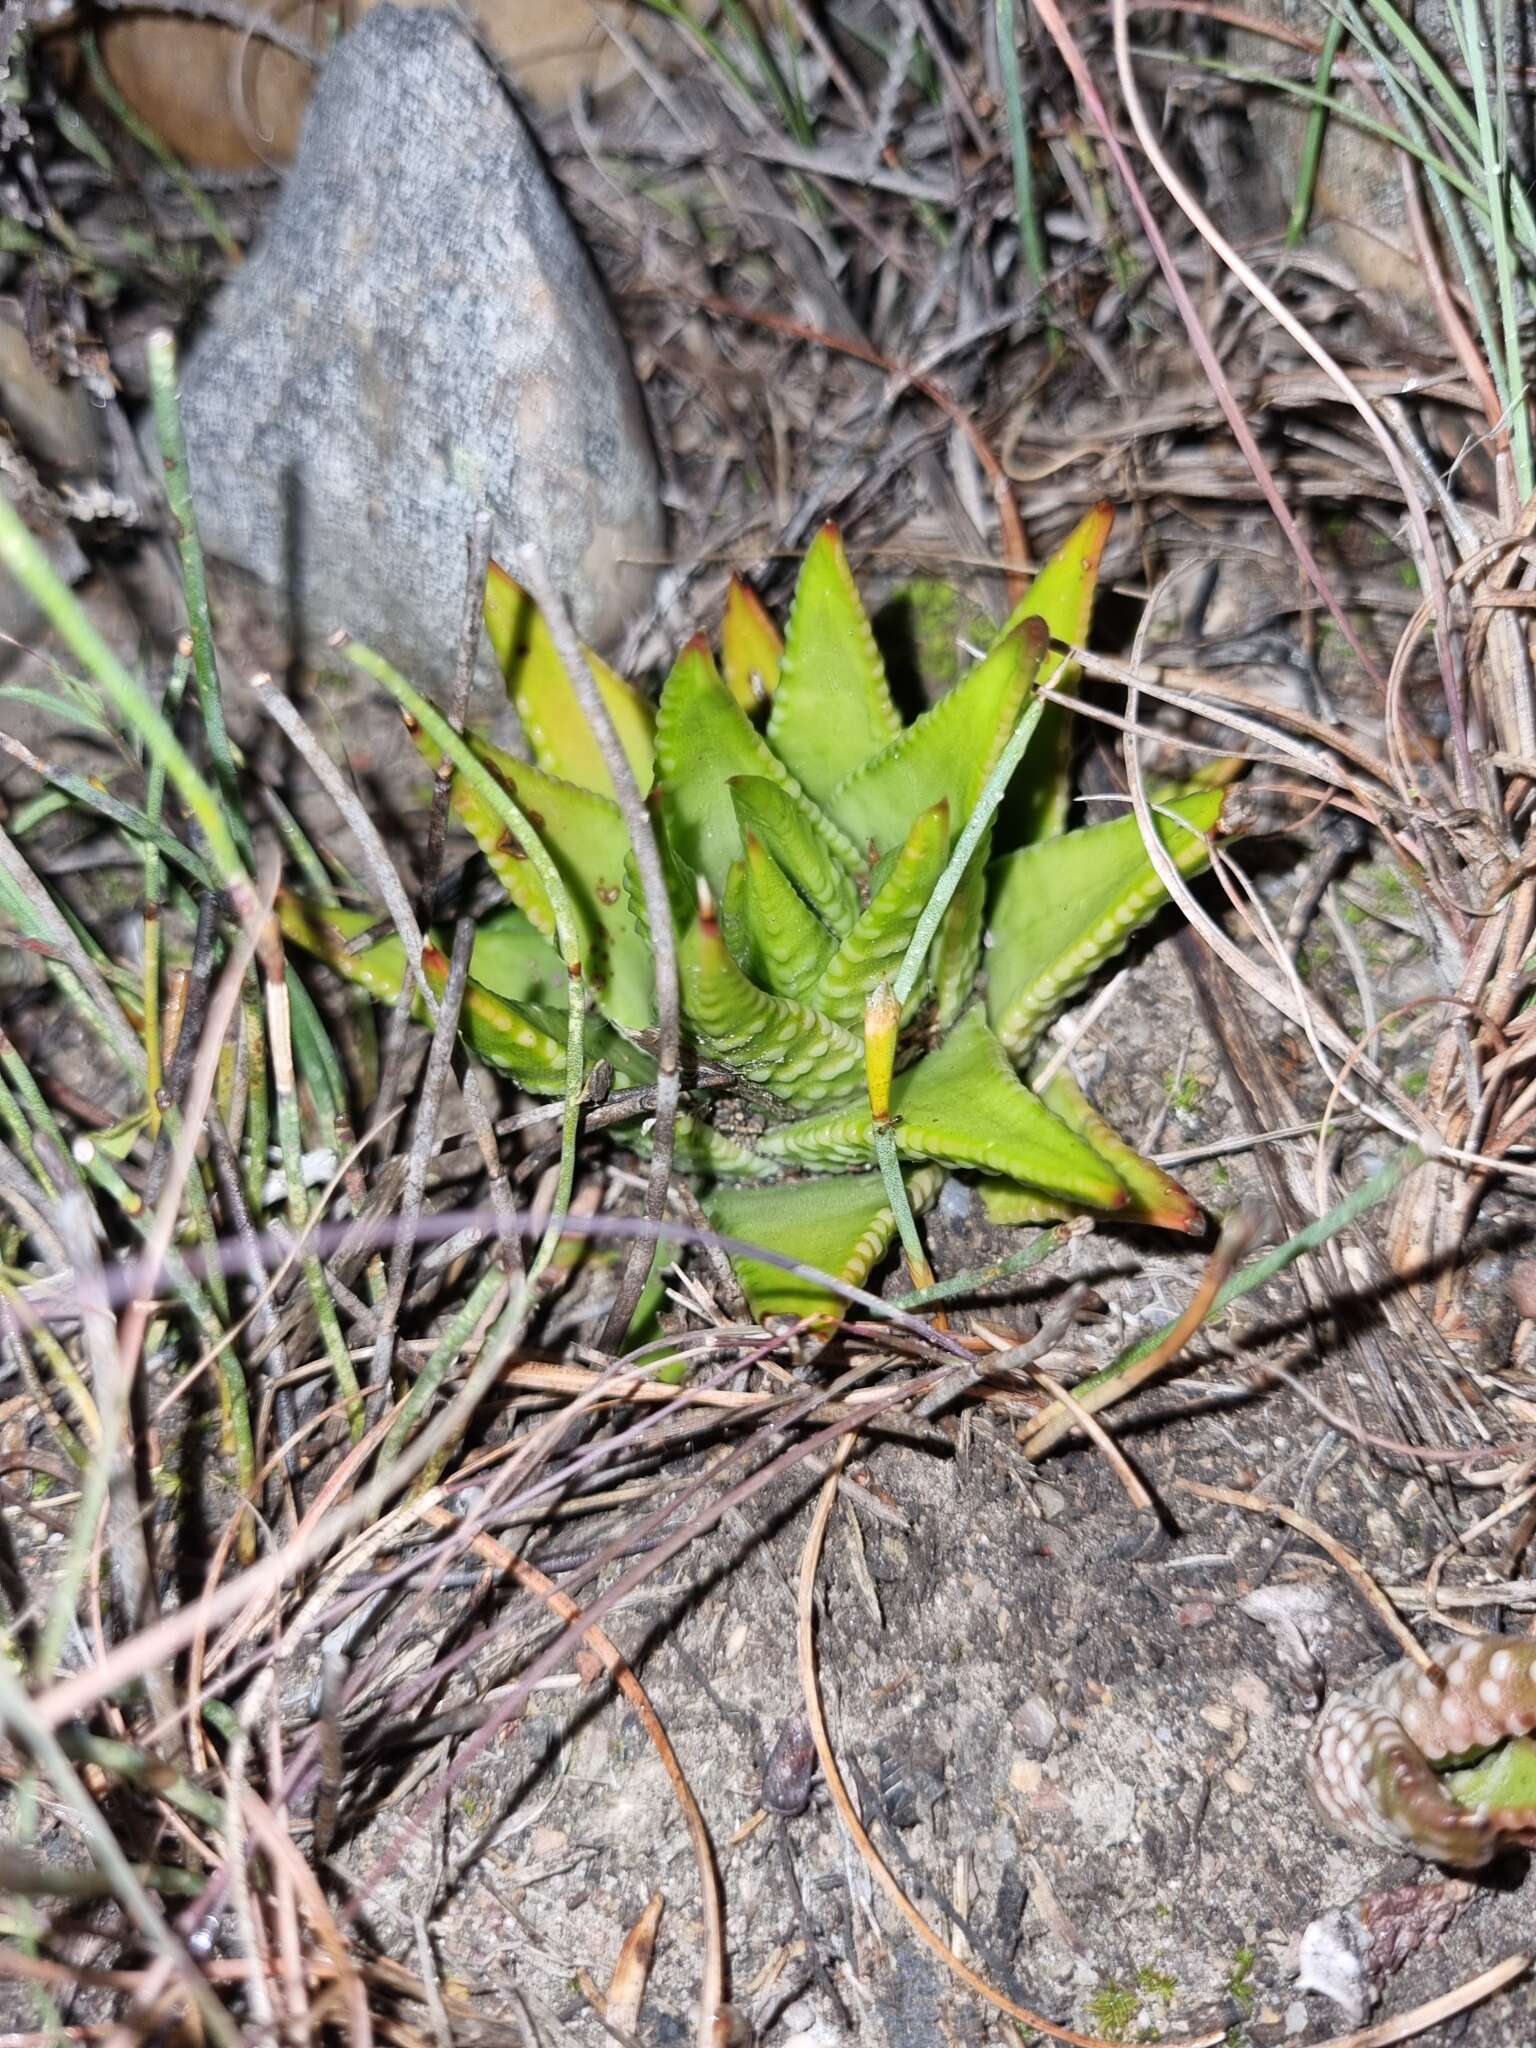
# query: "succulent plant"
{"points": [[805, 827]]}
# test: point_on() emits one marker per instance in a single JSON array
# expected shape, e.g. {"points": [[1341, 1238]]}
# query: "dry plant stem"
{"points": [[1287, 995], [112, 1472], [1429, 558], [1210, 362], [1436, 2010], [1350, 1565], [873, 1861], [725, 1498], [1048, 1428], [274, 971], [158, 1246], [375, 855], [271, 1833], [712, 1991], [439, 1066], [425, 716], [327, 1525], [1084, 1418], [28, 1727], [658, 917]]}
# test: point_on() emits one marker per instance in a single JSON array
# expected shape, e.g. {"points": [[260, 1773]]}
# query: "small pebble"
{"points": [[1036, 1723], [1522, 1287], [789, 1769]]}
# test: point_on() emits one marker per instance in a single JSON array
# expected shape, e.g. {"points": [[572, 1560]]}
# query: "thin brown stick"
{"points": [[1445, 2007], [1347, 1563], [873, 1861], [1135, 1486], [712, 1976], [1049, 1427]]}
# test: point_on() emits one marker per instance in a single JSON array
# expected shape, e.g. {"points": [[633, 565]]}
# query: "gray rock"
{"points": [[420, 332]]}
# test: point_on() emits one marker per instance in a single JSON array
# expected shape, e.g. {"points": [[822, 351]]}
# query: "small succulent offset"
{"points": [[804, 828], [1440, 1766]]}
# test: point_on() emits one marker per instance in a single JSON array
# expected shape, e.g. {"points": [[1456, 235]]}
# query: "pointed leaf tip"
{"points": [[832, 709], [751, 647]]}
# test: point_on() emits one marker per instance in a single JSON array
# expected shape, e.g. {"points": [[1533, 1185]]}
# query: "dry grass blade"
{"points": [[1347, 1562], [663, 939], [631, 1973], [1053, 1423], [712, 1983], [1435, 2011]]}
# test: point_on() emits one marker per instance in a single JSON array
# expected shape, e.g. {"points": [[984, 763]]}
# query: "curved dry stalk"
{"points": [[279, 1845], [1210, 362], [1053, 1423], [1484, 1985], [873, 1861], [1136, 1491], [1347, 389], [1347, 1562], [712, 1974]]}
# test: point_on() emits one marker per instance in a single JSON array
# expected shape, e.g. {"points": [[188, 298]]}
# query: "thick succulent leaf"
{"points": [[1156, 1199], [563, 742], [963, 1106], [1007, 1203], [703, 739], [511, 960], [517, 962], [518, 1040], [783, 1046], [843, 1227], [832, 710], [876, 944], [957, 949], [325, 929], [948, 753], [1062, 595], [783, 825], [585, 836], [1061, 909], [1502, 1781], [788, 942], [733, 916], [512, 1037], [702, 1150], [750, 647]]}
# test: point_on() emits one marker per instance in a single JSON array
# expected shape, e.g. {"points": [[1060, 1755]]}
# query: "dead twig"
{"points": [[1359, 1577]]}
